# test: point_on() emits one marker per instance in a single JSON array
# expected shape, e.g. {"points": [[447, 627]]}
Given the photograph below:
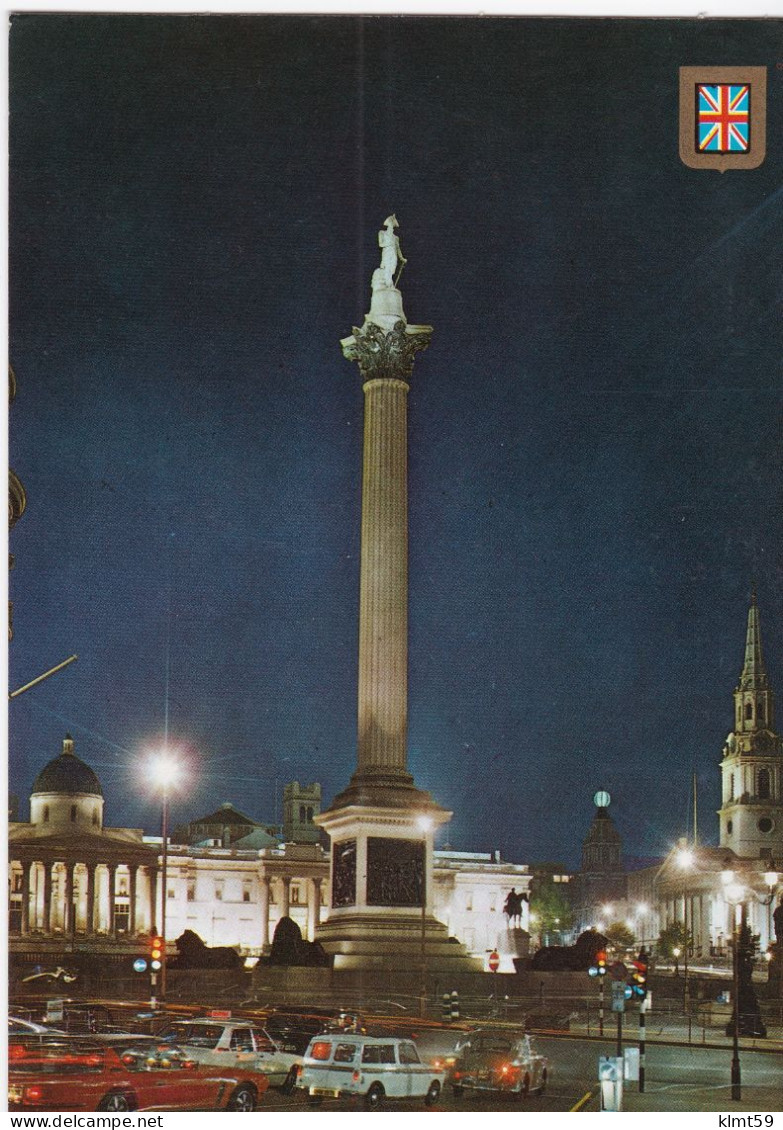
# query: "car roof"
{"points": [[204, 1020]]}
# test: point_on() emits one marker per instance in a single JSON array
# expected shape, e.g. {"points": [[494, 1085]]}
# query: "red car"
{"points": [[82, 1076]]}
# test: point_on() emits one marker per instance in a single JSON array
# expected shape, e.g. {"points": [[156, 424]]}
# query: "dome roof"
{"points": [[67, 774]]}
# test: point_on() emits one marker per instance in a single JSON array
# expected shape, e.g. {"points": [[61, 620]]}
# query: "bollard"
{"points": [[610, 1079], [445, 1011], [455, 1005]]}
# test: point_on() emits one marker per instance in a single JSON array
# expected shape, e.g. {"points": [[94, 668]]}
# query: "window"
{"points": [[344, 1053], [46, 814], [296, 895], [191, 892], [748, 711], [73, 813], [171, 893], [246, 893], [763, 784], [309, 815], [760, 712], [322, 1050], [242, 1040], [302, 814], [408, 1053], [378, 1053], [765, 824], [729, 826], [219, 890]]}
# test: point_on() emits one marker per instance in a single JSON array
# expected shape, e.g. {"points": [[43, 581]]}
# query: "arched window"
{"points": [[46, 814], [302, 814], [763, 784], [748, 711], [760, 712], [73, 813], [309, 815]]}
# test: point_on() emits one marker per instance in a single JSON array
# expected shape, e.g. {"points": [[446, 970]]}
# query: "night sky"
{"points": [[594, 432]]}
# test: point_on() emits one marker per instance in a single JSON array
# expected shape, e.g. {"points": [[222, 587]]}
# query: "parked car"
{"points": [[497, 1060], [376, 1067], [17, 1026], [230, 1042], [84, 1075]]}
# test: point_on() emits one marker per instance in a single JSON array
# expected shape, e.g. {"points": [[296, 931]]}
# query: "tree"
{"points": [[674, 936], [551, 912], [620, 937]]}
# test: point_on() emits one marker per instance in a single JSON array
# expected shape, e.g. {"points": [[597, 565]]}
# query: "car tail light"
{"points": [[17, 1051], [356, 1077], [299, 1070], [457, 1074], [33, 1094]]}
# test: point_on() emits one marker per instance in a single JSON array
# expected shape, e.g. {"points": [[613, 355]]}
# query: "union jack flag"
{"points": [[723, 118]]}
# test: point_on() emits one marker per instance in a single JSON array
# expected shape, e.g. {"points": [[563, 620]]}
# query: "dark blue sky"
{"points": [[594, 432]]}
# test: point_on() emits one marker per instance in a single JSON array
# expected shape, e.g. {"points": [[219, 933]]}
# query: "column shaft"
{"points": [[383, 598], [264, 891]]}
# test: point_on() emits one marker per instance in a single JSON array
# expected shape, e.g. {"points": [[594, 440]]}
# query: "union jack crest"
{"points": [[723, 118]]}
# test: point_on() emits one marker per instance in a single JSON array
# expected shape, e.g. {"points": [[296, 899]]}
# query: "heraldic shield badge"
{"points": [[723, 117]]}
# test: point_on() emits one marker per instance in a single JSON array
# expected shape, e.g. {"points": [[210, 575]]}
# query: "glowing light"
{"points": [[164, 769], [685, 858]]}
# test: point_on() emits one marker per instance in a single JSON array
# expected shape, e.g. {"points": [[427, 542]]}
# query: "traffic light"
{"points": [[598, 968], [639, 977], [157, 950]]}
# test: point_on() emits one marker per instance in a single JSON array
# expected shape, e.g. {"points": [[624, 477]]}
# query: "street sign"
{"points": [[618, 971], [494, 961], [618, 996], [140, 964]]}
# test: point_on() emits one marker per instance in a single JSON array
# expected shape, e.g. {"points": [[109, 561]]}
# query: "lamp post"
{"points": [[425, 825], [164, 773], [735, 894]]}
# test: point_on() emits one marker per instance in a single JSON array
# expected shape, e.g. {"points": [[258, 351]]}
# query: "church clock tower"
{"points": [[751, 816]]}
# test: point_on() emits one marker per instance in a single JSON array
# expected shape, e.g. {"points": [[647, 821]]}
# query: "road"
{"points": [[677, 1078]]}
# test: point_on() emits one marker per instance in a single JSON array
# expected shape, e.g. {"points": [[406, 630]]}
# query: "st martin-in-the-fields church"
{"points": [[700, 886]]}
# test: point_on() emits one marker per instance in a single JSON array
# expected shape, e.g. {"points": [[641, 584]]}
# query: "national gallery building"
{"points": [[78, 885]]}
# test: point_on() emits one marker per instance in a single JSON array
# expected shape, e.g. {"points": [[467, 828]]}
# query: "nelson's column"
{"points": [[382, 826]]}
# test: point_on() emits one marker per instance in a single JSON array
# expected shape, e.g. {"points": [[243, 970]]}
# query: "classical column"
{"points": [[89, 926], [112, 871], [285, 890], [47, 909], [131, 899], [68, 907], [264, 891], [25, 923], [313, 908]]}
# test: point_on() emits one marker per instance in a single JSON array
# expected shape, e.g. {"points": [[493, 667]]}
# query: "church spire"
{"points": [[754, 674]]}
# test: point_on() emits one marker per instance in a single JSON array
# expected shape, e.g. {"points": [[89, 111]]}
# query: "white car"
{"points": [[235, 1043], [376, 1067]]}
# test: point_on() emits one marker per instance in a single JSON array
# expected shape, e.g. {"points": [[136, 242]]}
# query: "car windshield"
{"points": [[198, 1035], [40, 1059]]}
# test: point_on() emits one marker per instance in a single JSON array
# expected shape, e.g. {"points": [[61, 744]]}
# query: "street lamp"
{"points": [[735, 894], [425, 825], [164, 771]]}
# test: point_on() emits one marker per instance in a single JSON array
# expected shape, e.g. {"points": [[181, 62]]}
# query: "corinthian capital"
{"points": [[386, 353]]}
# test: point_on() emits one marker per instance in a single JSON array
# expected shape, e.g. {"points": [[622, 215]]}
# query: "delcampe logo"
{"points": [[723, 117]]}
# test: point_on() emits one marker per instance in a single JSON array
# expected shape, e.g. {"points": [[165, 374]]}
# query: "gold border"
{"points": [[689, 155]]}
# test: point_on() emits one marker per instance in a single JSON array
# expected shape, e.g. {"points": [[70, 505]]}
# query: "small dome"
{"points": [[67, 774]]}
